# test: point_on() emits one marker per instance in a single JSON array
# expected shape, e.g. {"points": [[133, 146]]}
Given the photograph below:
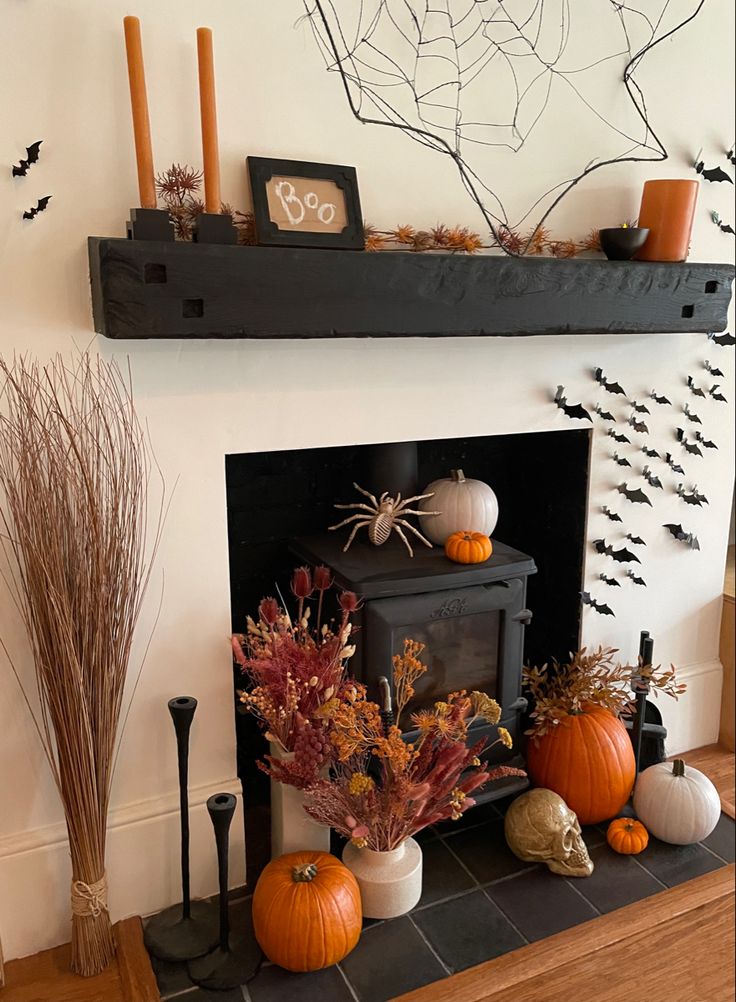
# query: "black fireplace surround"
{"points": [[480, 623]]}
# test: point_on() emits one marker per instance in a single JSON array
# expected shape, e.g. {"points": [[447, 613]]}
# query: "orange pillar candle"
{"points": [[208, 111], [667, 209], [139, 105]]}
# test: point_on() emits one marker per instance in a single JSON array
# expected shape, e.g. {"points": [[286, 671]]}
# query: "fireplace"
{"points": [[281, 503]]}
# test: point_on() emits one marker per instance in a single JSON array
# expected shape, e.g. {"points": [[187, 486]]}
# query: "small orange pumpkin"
{"points": [[306, 911], [468, 547], [627, 836]]}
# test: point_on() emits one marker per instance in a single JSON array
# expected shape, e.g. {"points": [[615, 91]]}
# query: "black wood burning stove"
{"points": [[471, 618]]}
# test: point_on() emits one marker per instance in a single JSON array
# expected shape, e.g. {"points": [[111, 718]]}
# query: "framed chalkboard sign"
{"points": [[301, 204]]}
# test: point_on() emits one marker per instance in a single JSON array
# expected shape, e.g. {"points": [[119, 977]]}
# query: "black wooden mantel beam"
{"points": [[145, 289]]}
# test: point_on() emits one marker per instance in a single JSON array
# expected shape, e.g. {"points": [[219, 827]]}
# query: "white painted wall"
{"points": [[63, 79]]}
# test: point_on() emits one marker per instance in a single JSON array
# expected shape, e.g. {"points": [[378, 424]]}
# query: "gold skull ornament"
{"points": [[541, 828]]}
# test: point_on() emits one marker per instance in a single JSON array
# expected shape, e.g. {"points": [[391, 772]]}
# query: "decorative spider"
{"points": [[382, 516]]}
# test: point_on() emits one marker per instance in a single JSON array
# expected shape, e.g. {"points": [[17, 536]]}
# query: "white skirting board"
{"points": [[143, 868], [693, 721]]}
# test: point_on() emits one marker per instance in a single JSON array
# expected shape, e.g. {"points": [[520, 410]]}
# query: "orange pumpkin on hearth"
{"points": [[307, 911], [588, 760], [468, 547], [627, 836]]}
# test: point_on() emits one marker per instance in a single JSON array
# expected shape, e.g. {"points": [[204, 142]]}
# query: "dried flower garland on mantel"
{"points": [[74, 475], [460, 239]]}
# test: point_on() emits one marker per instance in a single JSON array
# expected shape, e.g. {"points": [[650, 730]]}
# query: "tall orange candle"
{"points": [[667, 209], [139, 106], [208, 112]]}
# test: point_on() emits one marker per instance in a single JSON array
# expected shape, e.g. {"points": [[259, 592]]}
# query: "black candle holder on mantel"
{"points": [[231, 964], [188, 930]]}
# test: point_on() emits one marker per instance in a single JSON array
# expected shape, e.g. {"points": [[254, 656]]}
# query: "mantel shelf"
{"points": [[143, 289]]}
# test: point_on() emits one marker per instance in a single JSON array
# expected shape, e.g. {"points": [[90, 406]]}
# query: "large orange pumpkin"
{"points": [[306, 911], [468, 547], [588, 760]]}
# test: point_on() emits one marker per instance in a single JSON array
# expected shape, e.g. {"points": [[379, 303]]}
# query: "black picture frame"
{"points": [[268, 234]]}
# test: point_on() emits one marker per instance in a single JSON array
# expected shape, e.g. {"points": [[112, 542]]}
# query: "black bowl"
{"points": [[622, 242]]}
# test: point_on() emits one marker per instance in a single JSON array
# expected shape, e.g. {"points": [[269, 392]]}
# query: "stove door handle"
{"points": [[520, 705], [524, 616]]}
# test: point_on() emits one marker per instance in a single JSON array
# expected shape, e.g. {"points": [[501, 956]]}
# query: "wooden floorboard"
{"points": [[45, 977], [625, 954], [718, 766]]}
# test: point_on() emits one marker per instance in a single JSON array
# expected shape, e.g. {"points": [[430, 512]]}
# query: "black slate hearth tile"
{"points": [[442, 875], [485, 853], [170, 978], [475, 816], [594, 835], [391, 958], [273, 984], [467, 930], [203, 995], [540, 903], [616, 881], [674, 864], [722, 840]]}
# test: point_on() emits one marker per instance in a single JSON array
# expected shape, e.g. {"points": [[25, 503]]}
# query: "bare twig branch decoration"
{"points": [[460, 75], [74, 474]]}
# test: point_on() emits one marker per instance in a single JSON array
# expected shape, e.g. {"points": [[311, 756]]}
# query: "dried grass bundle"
{"points": [[74, 472]]}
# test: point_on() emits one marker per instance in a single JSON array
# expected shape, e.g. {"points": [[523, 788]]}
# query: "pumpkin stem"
{"points": [[304, 873], [458, 476], [678, 767]]}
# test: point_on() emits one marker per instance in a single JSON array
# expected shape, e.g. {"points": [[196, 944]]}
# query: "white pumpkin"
{"points": [[466, 506], [678, 804]]}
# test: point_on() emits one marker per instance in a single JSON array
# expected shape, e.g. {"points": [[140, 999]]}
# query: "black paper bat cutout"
{"points": [[636, 540], [706, 443], [723, 340], [640, 408], [638, 425], [602, 608], [606, 415], [693, 497], [659, 400], [622, 556], [712, 369], [652, 453], [637, 496], [618, 436], [682, 536], [611, 514], [711, 173], [38, 207], [691, 415], [651, 479], [696, 391], [635, 579], [611, 387], [723, 227], [622, 461], [675, 467], [713, 392], [571, 410], [690, 446], [32, 155], [610, 581]]}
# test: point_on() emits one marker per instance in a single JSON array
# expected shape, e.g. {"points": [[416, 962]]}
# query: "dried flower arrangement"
{"points": [[384, 789], [459, 239], [591, 678], [178, 188], [296, 674]]}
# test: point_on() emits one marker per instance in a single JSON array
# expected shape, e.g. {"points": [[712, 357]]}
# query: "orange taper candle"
{"points": [[667, 209], [139, 105], [208, 110]]}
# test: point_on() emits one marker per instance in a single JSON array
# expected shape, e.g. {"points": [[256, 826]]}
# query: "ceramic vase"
{"points": [[390, 882], [292, 830]]}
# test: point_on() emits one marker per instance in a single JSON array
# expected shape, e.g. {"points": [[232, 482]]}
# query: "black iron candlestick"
{"points": [[190, 929], [231, 964], [641, 687]]}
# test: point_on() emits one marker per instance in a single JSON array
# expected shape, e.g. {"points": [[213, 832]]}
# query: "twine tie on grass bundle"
{"points": [[89, 899]]}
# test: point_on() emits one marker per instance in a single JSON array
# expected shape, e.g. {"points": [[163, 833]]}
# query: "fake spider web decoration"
{"points": [[467, 78]]}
